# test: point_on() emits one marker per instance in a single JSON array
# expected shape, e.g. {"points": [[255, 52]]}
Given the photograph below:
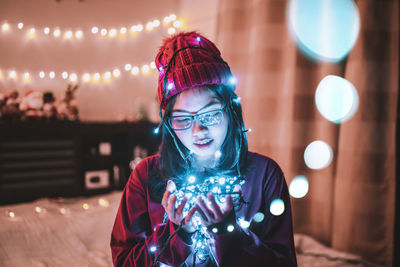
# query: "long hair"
{"points": [[171, 164]]}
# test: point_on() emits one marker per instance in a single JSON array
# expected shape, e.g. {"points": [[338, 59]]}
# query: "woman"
{"points": [[203, 143]]}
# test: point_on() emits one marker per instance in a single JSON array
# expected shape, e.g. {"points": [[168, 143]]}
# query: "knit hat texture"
{"points": [[198, 63]]}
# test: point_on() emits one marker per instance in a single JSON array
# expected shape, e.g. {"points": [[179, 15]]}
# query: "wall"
{"points": [[124, 97]]}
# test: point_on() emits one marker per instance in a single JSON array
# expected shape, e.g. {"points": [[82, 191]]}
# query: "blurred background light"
{"points": [[298, 187], [318, 155], [336, 99], [324, 30], [277, 207]]}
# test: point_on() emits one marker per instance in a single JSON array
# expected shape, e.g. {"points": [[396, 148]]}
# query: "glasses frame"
{"points": [[195, 117]]}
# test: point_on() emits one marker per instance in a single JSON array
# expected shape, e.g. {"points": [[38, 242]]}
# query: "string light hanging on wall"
{"points": [[171, 23]]}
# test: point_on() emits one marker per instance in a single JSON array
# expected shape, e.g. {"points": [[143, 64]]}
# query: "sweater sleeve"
{"points": [[266, 243], [133, 241]]}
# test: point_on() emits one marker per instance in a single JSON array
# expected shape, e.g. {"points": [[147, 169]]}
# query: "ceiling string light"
{"points": [[171, 23]]}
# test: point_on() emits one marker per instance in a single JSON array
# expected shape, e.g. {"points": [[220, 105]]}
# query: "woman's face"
{"points": [[203, 141]]}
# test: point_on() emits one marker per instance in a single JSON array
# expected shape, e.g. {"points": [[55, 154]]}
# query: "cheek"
{"points": [[183, 136]]}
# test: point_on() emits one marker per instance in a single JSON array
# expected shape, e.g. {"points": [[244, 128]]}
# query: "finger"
{"points": [[181, 206], [171, 186], [164, 201], [229, 204], [190, 214], [171, 206], [216, 209], [207, 212], [202, 214]]}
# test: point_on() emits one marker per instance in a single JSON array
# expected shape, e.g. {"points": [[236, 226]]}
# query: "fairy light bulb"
{"points": [[95, 30], [153, 249], [145, 69], [57, 33], [96, 77], [79, 34], [107, 76], [12, 75], [153, 65], [133, 28], [5, 27], [156, 23], [172, 17], [64, 75], [171, 30], [123, 30], [73, 77], [116, 73], [178, 23], [192, 179], [86, 77], [52, 75], [170, 86], [128, 67], [149, 26], [20, 25], [31, 34], [112, 33], [139, 27], [156, 130], [135, 70], [46, 30], [26, 78], [85, 206], [68, 35], [167, 20], [11, 214], [103, 32], [42, 74]]}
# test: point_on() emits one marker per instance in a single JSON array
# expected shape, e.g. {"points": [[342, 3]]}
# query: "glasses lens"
{"points": [[180, 123], [211, 118]]}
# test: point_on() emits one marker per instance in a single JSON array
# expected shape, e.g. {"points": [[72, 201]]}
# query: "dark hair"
{"points": [[171, 164]]}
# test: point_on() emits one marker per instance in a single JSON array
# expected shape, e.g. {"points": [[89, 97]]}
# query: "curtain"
{"points": [[350, 203]]}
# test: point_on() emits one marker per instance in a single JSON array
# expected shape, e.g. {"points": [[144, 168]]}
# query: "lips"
{"points": [[203, 143]]}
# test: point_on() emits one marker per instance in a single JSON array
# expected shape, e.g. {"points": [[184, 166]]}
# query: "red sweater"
{"points": [[139, 224]]}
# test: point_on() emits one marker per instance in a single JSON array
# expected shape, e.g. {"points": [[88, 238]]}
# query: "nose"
{"points": [[198, 130]]}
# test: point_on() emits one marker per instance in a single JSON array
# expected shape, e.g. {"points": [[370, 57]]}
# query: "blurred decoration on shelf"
{"points": [[36, 105]]}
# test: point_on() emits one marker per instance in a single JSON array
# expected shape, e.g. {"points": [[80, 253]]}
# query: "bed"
{"points": [[76, 232]]}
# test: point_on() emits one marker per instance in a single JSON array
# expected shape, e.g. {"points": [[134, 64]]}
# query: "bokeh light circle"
{"points": [[336, 99], [298, 187], [258, 217], [277, 207], [318, 155], [324, 30]]}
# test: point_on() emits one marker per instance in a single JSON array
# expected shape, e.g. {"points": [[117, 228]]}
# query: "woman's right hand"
{"points": [[175, 215]]}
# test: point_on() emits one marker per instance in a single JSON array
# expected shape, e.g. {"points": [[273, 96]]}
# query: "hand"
{"points": [[175, 214], [214, 214]]}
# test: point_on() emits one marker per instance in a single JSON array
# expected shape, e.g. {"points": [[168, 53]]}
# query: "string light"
{"points": [[96, 77], [116, 73], [57, 33], [42, 74], [95, 30], [128, 67], [52, 75], [112, 33], [20, 25], [12, 75], [85, 206], [5, 27], [64, 75], [220, 186], [123, 30], [153, 65], [86, 77], [135, 70], [178, 24], [103, 32], [73, 77], [46, 30], [145, 69], [68, 35], [78, 34], [171, 30], [31, 34]]}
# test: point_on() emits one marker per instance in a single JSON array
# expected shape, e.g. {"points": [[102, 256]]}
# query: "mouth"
{"points": [[204, 143]]}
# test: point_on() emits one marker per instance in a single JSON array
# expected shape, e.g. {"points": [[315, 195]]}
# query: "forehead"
{"points": [[194, 99]]}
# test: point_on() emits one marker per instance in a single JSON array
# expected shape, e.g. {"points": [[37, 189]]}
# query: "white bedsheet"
{"points": [[62, 232]]}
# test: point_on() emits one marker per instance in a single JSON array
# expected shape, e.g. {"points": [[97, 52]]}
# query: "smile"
{"points": [[203, 143]]}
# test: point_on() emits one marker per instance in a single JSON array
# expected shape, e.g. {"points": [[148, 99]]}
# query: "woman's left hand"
{"points": [[214, 214]]}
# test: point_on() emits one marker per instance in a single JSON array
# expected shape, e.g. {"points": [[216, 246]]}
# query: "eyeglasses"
{"points": [[205, 119]]}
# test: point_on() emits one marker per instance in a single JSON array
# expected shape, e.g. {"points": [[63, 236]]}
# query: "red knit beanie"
{"points": [[189, 60]]}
